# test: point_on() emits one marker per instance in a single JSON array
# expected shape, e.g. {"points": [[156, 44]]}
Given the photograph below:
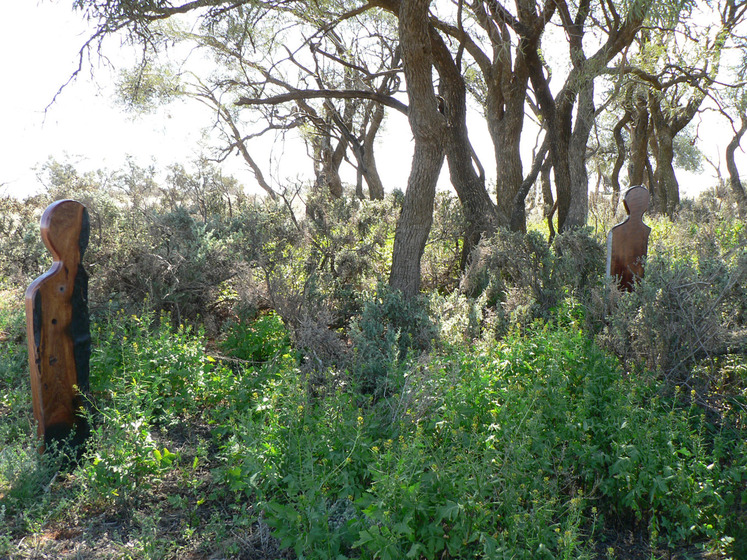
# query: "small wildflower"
{"points": [[375, 449]]}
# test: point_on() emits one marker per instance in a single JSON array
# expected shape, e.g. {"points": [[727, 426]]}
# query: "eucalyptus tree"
{"points": [[316, 66], [671, 71], [310, 67]]}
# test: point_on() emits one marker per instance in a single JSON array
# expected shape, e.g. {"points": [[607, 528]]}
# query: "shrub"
{"points": [[688, 307], [525, 279], [390, 326], [258, 340]]}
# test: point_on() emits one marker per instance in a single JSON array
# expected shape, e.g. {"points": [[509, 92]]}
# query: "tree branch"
{"points": [[297, 95]]}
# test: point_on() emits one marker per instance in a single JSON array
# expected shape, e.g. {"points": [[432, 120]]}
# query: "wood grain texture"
{"points": [[58, 327], [627, 242]]}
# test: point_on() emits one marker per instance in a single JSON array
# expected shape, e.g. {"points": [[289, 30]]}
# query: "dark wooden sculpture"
{"points": [[58, 328], [627, 242]]}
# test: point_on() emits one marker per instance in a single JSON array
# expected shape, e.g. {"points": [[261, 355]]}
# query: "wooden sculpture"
{"points": [[58, 328], [627, 242]]}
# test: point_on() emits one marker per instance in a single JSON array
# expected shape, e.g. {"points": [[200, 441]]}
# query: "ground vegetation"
{"points": [[259, 390]]}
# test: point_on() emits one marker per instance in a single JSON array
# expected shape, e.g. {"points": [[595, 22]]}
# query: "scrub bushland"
{"points": [[257, 391]]}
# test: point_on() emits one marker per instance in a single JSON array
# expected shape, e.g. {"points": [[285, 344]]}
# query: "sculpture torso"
{"points": [[627, 242], [58, 326]]}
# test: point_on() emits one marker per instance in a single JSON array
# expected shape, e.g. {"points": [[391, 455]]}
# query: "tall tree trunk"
{"points": [[547, 198], [370, 171], [639, 137], [664, 176], [734, 180], [579, 210], [479, 210], [559, 130], [505, 118], [620, 159], [429, 131]]}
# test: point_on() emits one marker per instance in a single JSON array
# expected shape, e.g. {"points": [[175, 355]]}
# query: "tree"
{"points": [[670, 75], [428, 127]]}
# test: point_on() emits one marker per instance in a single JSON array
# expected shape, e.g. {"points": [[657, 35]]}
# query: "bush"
{"points": [[389, 328], [524, 279], [258, 340], [688, 307]]}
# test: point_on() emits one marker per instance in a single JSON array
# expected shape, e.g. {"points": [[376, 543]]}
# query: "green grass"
{"points": [[536, 446]]}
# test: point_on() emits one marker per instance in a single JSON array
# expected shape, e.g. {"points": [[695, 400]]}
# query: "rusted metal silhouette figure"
{"points": [[627, 242], [58, 328]]}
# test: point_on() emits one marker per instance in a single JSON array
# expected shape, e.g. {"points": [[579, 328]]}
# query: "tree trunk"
{"points": [[664, 176], [559, 130], [429, 131], [638, 142], [620, 160], [579, 209], [547, 198], [371, 173], [505, 118], [734, 180], [518, 214], [469, 184]]}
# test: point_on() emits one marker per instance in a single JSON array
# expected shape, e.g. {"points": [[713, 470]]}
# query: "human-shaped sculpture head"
{"points": [[636, 200], [56, 231]]}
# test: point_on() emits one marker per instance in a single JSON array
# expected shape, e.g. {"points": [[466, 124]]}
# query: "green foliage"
{"points": [[390, 326], [523, 279], [515, 449], [258, 340], [691, 303], [147, 86], [339, 420]]}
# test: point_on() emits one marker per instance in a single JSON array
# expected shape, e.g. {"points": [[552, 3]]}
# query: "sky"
{"points": [[40, 40]]}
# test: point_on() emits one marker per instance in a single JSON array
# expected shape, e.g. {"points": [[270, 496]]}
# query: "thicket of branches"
{"points": [[633, 78]]}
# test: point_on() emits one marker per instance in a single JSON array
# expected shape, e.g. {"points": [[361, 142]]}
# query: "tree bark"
{"points": [[547, 198], [666, 181], [620, 159], [429, 130], [479, 210], [734, 181], [639, 137], [370, 171], [585, 114]]}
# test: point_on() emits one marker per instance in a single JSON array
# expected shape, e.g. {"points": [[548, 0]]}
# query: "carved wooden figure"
{"points": [[627, 242], [58, 328]]}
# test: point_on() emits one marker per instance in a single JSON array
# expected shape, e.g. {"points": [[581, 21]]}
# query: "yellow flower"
{"points": [[375, 449]]}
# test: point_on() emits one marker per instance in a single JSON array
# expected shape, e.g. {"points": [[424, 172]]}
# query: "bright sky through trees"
{"points": [[40, 41]]}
